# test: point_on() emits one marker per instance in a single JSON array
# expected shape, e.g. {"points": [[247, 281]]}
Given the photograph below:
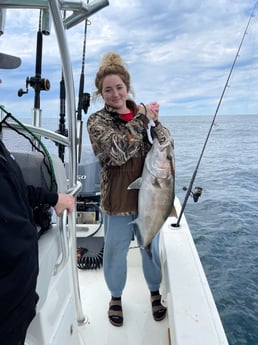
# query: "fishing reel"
{"points": [[41, 84], [196, 193], [85, 102]]}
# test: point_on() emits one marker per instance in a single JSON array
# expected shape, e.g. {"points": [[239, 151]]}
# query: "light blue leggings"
{"points": [[118, 235]]}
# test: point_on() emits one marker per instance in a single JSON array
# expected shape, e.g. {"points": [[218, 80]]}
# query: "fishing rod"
{"points": [[61, 127], [197, 193], [83, 103], [83, 98], [36, 82]]}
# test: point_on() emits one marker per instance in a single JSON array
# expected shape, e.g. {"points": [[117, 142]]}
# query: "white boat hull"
{"points": [[193, 315]]}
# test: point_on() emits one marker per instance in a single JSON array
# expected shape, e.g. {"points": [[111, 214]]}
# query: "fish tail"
{"points": [[148, 250]]}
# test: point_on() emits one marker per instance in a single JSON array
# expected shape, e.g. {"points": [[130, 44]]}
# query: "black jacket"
{"points": [[18, 244]]}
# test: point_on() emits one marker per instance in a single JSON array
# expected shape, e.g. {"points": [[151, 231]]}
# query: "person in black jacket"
{"points": [[19, 240]]}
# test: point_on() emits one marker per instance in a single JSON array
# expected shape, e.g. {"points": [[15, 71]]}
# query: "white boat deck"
{"points": [[192, 317], [139, 326]]}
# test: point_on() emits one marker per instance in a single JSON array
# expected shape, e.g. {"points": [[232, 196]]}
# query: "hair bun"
{"points": [[112, 58]]}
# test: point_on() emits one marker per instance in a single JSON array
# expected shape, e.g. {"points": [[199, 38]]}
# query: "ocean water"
{"points": [[224, 222]]}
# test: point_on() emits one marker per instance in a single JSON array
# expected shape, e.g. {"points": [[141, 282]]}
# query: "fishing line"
{"points": [[189, 190]]}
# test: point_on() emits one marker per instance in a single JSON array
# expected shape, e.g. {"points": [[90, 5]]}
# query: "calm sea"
{"points": [[224, 222]]}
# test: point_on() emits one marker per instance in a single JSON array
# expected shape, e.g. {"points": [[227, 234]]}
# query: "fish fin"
{"points": [[155, 182], [135, 184]]}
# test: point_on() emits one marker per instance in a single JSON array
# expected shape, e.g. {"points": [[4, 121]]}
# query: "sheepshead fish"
{"points": [[156, 191]]}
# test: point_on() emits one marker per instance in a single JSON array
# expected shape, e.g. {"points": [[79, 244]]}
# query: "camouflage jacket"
{"points": [[121, 148]]}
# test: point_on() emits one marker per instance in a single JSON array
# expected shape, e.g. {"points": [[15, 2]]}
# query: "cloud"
{"points": [[178, 53]]}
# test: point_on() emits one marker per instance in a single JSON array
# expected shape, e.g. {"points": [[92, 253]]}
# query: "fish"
{"points": [[156, 191]]}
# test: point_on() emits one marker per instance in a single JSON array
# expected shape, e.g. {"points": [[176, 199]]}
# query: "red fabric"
{"points": [[128, 116]]}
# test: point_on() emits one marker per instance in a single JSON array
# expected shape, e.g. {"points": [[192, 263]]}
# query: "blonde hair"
{"points": [[112, 63]]}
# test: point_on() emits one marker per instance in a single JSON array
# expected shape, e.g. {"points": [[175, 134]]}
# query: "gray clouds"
{"points": [[178, 53]]}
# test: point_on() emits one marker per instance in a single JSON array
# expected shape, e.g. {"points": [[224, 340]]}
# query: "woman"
{"points": [[119, 140]]}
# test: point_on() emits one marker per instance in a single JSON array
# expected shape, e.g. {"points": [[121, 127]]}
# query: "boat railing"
{"points": [[65, 224], [43, 132], [66, 233]]}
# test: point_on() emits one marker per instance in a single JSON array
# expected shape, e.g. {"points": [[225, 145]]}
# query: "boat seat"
{"points": [[36, 173]]}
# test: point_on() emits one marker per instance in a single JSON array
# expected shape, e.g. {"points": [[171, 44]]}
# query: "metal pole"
{"points": [[70, 96]]}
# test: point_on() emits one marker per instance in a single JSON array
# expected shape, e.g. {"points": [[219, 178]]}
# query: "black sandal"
{"points": [[158, 310], [115, 313]]}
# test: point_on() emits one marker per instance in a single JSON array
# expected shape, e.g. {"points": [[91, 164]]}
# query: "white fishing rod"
{"points": [[197, 193]]}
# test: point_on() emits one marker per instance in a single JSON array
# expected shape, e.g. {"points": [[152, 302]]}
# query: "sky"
{"points": [[179, 53]]}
